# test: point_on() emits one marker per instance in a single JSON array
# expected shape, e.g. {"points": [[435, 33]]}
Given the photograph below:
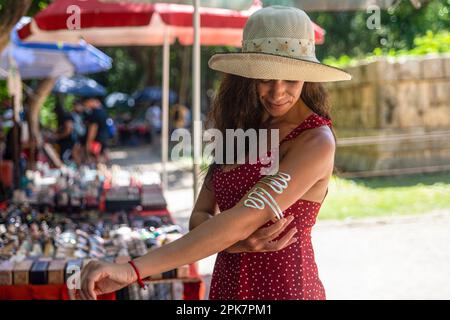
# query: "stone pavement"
{"points": [[389, 258], [383, 258]]}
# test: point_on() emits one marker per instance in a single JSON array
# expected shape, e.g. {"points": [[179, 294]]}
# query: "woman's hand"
{"points": [[99, 278], [262, 239]]}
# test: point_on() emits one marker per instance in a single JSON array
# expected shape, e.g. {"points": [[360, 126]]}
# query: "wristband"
{"points": [[139, 280]]}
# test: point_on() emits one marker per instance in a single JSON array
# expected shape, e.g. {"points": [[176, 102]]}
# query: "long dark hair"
{"points": [[237, 106]]}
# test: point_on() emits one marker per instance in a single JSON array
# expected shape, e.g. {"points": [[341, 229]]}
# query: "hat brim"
{"points": [[258, 65]]}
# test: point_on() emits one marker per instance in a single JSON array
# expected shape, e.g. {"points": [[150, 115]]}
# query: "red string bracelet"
{"points": [[139, 280]]}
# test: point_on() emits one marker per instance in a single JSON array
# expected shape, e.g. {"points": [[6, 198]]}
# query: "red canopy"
{"points": [[128, 23]]}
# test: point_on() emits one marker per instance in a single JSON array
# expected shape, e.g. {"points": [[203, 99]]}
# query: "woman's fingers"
{"points": [[293, 240], [79, 291], [85, 271], [89, 276], [261, 240], [277, 233], [82, 295], [283, 242], [264, 233], [91, 284], [83, 291], [274, 230]]}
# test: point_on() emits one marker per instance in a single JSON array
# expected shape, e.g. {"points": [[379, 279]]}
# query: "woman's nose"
{"points": [[278, 89]]}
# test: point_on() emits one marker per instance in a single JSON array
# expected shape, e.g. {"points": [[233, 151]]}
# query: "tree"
{"points": [[348, 34], [10, 13]]}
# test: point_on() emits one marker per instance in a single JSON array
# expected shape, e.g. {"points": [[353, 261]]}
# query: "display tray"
{"points": [[193, 289], [41, 292], [121, 205]]}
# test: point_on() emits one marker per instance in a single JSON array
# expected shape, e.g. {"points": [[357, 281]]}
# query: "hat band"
{"points": [[289, 47]]}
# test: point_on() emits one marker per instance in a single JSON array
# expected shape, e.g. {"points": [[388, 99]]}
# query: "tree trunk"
{"points": [[12, 11], [151, 73], [35, 103], [147, 59], [185, 74]]}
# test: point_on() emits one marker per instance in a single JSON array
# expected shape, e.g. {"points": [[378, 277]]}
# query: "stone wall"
{"points": [[394, 115]]}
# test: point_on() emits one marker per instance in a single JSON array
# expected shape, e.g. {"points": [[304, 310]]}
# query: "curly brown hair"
{"points": [[237, 106]]}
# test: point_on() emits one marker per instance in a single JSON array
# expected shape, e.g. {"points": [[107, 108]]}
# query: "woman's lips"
{"points": [[276, 105]]}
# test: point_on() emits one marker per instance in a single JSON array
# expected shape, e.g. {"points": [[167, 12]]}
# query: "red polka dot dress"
{"points": [[290, 273]]}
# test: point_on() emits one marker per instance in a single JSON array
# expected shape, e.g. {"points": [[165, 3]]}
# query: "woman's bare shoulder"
{"points": [[321, 138]]}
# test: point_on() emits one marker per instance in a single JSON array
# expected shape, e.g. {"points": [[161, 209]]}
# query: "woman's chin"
{"points": [[277, 112]]}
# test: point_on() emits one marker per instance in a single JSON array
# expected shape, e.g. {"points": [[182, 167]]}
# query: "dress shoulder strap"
{"points": [[313, 121]]}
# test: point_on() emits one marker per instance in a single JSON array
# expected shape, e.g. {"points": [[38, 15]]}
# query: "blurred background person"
{"points": [[97, 130], [65, 136], [153, 118], [179, 116], [79, 127]]}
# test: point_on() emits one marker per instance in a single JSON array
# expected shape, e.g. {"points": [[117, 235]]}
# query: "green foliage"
{"points": [[347, 32], [124, 67], [429, 43], [404, 195], [37, 6], [3, 91], [47, 116], [404, 30]]}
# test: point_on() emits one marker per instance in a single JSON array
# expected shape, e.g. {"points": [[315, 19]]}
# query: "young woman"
{"points": [[263, 230]]}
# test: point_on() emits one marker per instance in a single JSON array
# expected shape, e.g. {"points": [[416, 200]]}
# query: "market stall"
{"points": [[64, 218]]}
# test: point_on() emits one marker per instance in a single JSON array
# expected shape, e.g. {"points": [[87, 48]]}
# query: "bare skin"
{"points": [[237, 229]]}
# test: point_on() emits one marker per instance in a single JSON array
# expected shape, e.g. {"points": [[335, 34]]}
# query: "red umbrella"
{"points": [[128, 23]]}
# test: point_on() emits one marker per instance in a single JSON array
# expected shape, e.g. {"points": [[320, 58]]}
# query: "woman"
{"points": [[263, 230]]}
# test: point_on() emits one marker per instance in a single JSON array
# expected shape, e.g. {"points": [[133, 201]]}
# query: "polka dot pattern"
{"points": [[288, 274]]}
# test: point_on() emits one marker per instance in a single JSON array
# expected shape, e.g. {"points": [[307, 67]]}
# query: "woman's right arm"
{"points": [[205, 206]]}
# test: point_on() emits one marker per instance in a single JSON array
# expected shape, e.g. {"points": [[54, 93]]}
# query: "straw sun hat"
{"points": [[278, 43]]}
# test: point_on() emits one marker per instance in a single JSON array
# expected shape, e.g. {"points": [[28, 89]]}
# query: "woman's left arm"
{"points": [[307, 162]]}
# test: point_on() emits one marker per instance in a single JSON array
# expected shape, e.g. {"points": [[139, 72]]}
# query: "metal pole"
{"points": [[196, 98], [165, 109], [16, 146]]}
